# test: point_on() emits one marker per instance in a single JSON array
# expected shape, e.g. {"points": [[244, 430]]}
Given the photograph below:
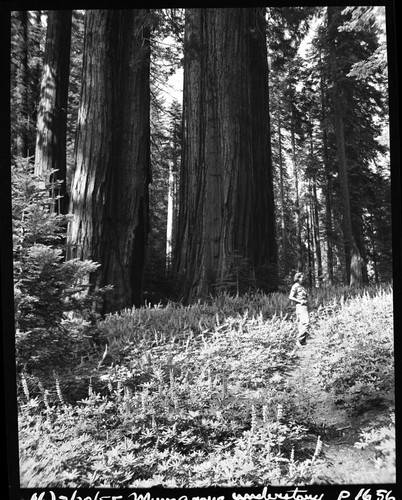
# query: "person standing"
{"points": [[298, 294]]}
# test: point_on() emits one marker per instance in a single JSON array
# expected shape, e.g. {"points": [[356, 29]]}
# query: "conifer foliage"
{"points": [[53, 309]]}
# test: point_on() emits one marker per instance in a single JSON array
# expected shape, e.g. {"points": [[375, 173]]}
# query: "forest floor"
{"points": [[344, 463], [218, 394]]}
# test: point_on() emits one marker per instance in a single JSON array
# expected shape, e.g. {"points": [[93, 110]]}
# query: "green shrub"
{"points": [[47, 291], [53, 302]]}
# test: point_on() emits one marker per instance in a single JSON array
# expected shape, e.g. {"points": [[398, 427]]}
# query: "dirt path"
{"points": [[343, 463]]}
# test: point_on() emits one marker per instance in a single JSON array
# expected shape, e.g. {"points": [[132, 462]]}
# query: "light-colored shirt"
{"points": [[299, 293]]}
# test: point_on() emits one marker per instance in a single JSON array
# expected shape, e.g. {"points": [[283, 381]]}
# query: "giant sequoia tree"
{"points": [[226, 195], [50, 151], [109, 194]]}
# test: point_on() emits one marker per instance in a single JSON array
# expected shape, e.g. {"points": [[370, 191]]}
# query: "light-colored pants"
{"points": [[303, 321]]}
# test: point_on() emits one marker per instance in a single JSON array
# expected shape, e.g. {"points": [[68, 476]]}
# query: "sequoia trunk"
{"points": [[112, 171], [50, 151], [297, 209], [284, 235], [226, 218]]}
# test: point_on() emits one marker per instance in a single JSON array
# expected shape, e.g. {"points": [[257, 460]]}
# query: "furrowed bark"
{"points": [[112, 173], [226, 191]]}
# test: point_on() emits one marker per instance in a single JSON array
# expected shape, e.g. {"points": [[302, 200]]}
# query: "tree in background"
{"points": [[166, 118], [74, 89], [355, 103], [50, 150], [159, 280], [303, 107], [352, 252], [226, 218], [109, 194], [22, 125], [173, 180], [287, 27], [27, 33]]}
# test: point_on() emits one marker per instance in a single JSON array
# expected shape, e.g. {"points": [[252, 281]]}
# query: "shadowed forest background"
{"points": [[171, 170]]}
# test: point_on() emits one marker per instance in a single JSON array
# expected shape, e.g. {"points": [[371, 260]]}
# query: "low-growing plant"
{"points": [[357, 361], [191, 396], [181, 406], [121, 440], [382, 438]]}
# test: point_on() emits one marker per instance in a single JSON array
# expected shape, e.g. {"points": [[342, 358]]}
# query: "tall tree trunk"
{"points": [[316, 227], [314, 213], [36, 77], [170, 218], [342, 168], [299, 247], [171, 229], [328, 183], [374, 253], [226, 196], [353, 259], [50, 151], [22, 84], [112, 169], [310, 246], [284, 237]]}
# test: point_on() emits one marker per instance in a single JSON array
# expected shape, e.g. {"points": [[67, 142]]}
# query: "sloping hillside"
{"points": [[217, 394], [346, 372]]}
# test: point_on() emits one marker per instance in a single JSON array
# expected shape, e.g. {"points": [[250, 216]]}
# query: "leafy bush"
{"points": [[49, 289]]}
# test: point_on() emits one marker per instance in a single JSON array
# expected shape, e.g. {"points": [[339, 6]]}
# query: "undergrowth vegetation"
{"points": [[198, 396], [357, 364], [383, 439]]}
